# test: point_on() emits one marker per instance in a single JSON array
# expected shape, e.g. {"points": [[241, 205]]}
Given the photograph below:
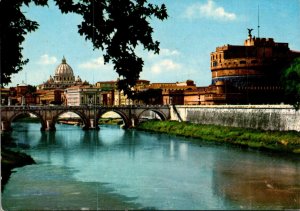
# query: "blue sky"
{"points": [[193, 30]]}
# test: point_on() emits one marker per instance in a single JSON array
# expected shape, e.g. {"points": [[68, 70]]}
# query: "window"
{"points": [[242, 62]]}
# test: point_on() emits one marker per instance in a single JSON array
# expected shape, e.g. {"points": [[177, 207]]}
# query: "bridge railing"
{"points": [[67, 107]]}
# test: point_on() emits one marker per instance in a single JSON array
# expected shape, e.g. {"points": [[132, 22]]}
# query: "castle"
{"points": [[249, 73]]}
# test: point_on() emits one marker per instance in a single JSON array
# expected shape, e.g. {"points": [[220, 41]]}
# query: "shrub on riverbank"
{"points": [[10, 160], [110, 121], [272, 140]]}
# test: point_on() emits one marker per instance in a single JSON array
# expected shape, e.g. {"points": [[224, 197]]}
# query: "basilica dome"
{"points": [[62, 79], [64, 69], [64, 72]]}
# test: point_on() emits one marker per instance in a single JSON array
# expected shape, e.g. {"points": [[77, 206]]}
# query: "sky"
{"points": [[192, 31]]}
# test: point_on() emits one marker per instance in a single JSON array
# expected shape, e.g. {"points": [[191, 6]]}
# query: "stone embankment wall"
{"points": [[266, 117]]}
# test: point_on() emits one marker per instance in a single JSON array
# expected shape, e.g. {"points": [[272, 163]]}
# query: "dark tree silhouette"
{"points": [[150, 96], [13, 27], [115, 26], [291, 83]]}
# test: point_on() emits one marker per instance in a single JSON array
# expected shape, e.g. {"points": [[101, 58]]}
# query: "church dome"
{"points": [[64, 73], [64, 69]]}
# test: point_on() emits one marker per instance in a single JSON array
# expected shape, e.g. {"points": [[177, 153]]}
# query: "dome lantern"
{"points": [[64, 61]]}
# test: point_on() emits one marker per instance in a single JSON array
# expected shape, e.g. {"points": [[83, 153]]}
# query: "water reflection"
{"points": [[257, 181], [157, 170]]}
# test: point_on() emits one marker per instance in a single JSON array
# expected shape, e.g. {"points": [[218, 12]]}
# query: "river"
{"points": [[128, 169]]}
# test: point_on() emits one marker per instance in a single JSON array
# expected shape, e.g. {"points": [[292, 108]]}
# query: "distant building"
{"points": [[174, 93], [82, 95], [121, 99], [107, 91], [46, 97], [22, 94], [51, 91], [110, 95], [5, 94], [63, 78]]}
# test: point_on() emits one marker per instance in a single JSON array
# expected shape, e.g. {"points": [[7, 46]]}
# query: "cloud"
{"points": [[209, 10], [168, 52], [47, 60], [97, 63], [164, 52], [164, 65]]}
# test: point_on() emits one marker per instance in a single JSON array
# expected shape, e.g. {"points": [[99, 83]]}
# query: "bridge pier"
{"points": [[134, 122], [50, 125], [93, 125], [5, 126]]}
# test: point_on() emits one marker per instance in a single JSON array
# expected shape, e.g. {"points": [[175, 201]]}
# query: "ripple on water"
{"points": [[65, 193]]}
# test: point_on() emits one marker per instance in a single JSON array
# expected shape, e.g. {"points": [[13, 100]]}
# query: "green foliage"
{"points": [[291, 82], [31, 89], [115, 26], [13, 28], [272, 140]]}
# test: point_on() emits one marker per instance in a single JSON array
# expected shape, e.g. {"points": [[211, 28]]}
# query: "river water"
{"points": [[127, 169]]}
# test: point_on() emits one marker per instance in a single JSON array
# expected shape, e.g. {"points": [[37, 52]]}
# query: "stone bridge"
{"points": [[90, 115]]}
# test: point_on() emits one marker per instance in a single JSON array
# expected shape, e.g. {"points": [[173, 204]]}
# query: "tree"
{"points": [[13, 27], [149, 97], [291, 83], [117, 27]]}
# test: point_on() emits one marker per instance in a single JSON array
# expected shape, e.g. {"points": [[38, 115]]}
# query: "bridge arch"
{"points": [[123, 115], [82, 116], [90, 115], [161, 114], [20, 113]]}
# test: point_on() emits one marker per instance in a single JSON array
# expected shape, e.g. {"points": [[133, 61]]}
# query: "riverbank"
{"points": [[258, 139], [10, 160]]}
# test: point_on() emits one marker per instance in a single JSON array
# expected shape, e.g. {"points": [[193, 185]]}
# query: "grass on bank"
{"points": [[271, 140]]}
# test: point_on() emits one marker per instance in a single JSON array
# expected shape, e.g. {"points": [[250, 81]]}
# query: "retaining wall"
{"points": [[266, 117]]}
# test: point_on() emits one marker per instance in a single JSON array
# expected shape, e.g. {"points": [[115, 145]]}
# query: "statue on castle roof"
{"points": [[249, 32]]}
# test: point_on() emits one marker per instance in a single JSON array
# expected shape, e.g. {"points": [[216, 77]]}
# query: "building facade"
{"points": [[82, 95], [107, 92], [46, 97], [174, 93], [110, 95], [22, 94]]}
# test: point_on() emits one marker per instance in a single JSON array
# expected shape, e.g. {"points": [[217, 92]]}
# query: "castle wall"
{"points": [[265, 117]]}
